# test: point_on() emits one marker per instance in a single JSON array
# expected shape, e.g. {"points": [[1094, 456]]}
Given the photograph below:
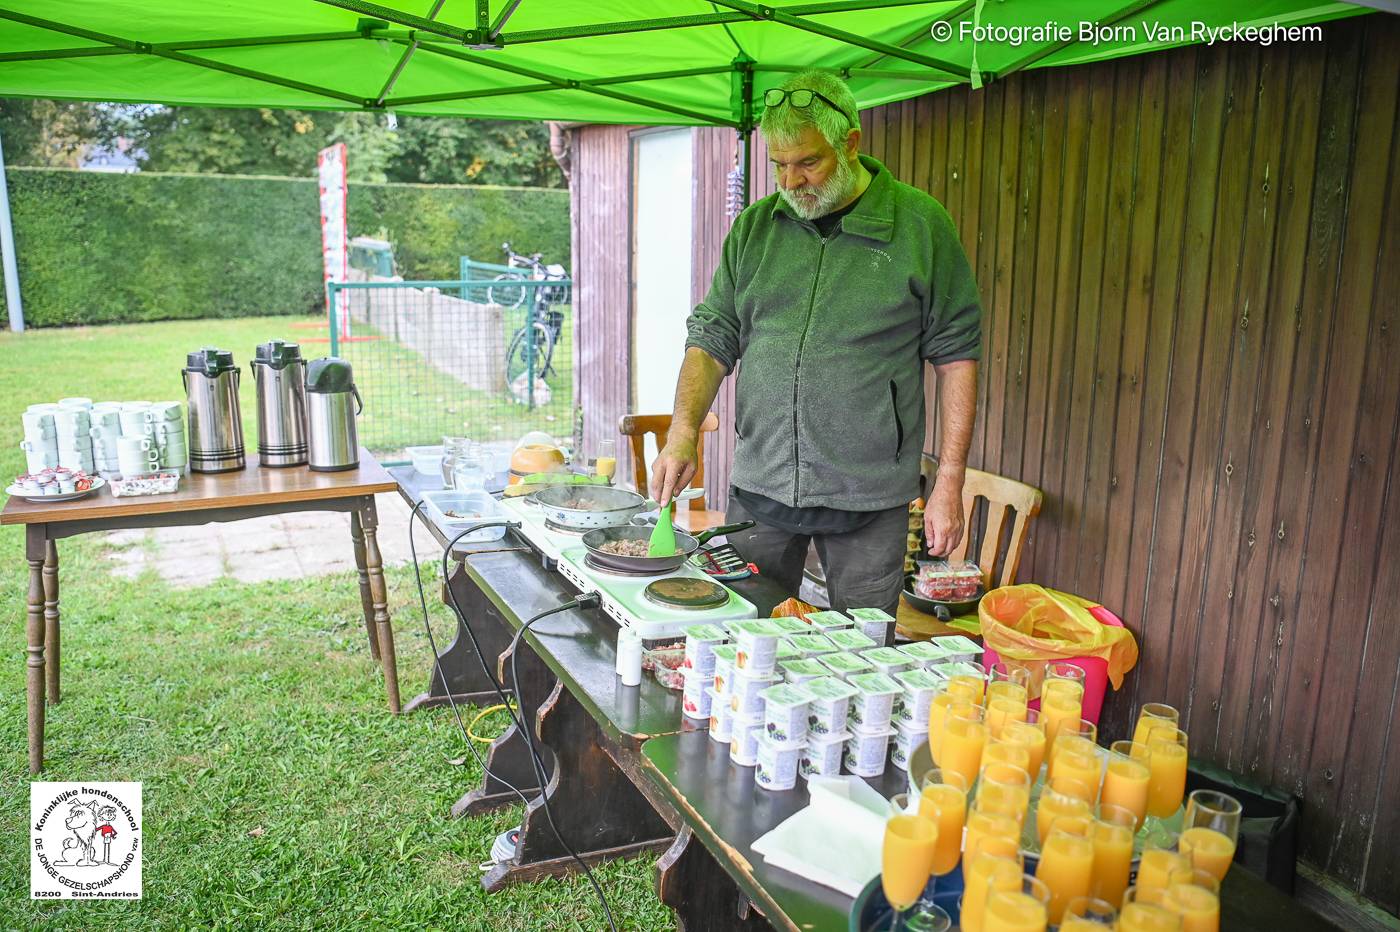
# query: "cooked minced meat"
{"points": [[625, 548]]}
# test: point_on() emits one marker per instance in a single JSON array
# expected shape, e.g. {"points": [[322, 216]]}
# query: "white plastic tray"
{"points": [[436, 504]]}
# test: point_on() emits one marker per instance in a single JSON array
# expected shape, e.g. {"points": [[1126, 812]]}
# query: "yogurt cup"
{"points": [[866, 751], [874, 623], [810, 645], [724, 667], [827, 621], [786, 651], [951, 668], [757, 643], [888, 661], [828, 708], [851, 640], [958, 647], [777, 764], [700, 644], [924, 653], [821, 755], [913, 704], [785, 713], [721, 718], [790, 625], [695, 699], [873, 704], [798, 672], [846, 666], [743, 739], [744, 691], [907, 737]]}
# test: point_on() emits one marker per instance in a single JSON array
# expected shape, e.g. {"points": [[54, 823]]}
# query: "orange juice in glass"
{"points": [[999, 752], [1028, 735], [992, 863], [1078, 759], [1067, 862], [1126, 778], [938, 714], [1210, 831], [1004, 788], [1063, 797], [1025, 909], [1159, 859], [1194, 895], [1088, 914], [1167, 757], [1058, 708], [1146, 910], [1001, 710], [1153, 715], [943, 801], [987, 823], [1113, 851], [964, 736], [972, 685], [907, 859]]}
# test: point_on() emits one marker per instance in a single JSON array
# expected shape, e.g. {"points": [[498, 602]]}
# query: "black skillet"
{"points": [[685, 546]]}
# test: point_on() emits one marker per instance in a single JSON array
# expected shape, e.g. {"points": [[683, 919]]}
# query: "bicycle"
{"points": [[548, 320], [507, 293]]}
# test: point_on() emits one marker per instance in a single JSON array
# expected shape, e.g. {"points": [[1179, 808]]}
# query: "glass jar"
{"points": [[452, 448]]}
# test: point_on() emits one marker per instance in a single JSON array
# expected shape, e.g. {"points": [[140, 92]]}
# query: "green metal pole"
{"points": [[332, 301], [530, 350]]}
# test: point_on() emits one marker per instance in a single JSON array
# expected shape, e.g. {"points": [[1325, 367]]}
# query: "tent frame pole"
{"points": [[7, 246]]}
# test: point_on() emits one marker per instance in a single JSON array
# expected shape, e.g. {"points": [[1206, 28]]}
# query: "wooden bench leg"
{"points": [[35, 551], [596, 808], [379, 597], [51, 651], [458, 668], [357, 537], [704, 898]]}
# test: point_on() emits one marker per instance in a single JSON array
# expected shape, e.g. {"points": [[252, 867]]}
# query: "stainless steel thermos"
{"points": [[332, 402], [216, 427], [279, 374]]}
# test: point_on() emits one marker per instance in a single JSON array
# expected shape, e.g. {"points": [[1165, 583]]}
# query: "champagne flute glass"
{"points": [[1146, 910], [986, 823], [1004, 788], [1059, 705], [1126, 777], [964, 737], [1000, 752], [1113, 851], [1063, 675], [991, 863], [605, 459], [1003, 709], [1023, 909], [1029, 735], [1067, 862], [1075, 755], [1159, 858], [1167, 758], [907, 857], [943, 801], [1211, 831], [1194, 895], [1008, 682], [1088, 914], [1153, 715], [1063, 797], [973, 680], [943, 700]]}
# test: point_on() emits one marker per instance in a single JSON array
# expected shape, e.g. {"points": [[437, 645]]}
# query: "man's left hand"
{"points": [[943, 518]]}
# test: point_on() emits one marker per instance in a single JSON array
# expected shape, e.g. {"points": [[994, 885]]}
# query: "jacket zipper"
{"points": [[797, 374]]}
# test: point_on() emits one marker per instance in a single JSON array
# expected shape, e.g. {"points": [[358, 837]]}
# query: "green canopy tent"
{"points": [[680, 62]]}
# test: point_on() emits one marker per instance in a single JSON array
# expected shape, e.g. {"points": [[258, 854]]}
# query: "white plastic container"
{"points": [[789, 625], [724, 668], [798, 672], [888, 661], [907, 737], [829, 706], [874, 623], [744, 692], [468, 508], [721, 719], [777, 764], [743, 739], [919, 687], [810, 645], [785, 714], [872, 707], [866, 752], [958, 647], [827, 621], [924, 653], [700, 644], [757, 643], [851, 640], [845, 666], [695, 699], [426, 460], [821, 755]]}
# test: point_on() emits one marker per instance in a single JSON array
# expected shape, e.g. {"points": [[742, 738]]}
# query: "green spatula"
{"points": [[663, 537]]}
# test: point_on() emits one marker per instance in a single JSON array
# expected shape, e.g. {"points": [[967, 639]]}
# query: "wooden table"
{"points": [[203, 498]]}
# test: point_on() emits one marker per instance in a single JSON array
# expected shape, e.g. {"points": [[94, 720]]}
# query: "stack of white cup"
{"points": [[160, 428], [73, 425], [40, 444], [108, 439]]}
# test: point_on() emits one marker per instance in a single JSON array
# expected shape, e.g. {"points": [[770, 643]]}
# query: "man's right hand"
{"points": [[674, 467]]}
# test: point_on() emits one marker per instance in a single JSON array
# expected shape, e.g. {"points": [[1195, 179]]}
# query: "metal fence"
{"points": [[457, 358]]}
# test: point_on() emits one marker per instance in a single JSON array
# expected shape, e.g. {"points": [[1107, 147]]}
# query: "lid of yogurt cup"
{"points": [[790, 625], [850, 640], [918, 679], [706, 633], [954, 668], [923, 650], [763, 627], [804, 668], [845, 663], [869, 614], [726, 652], [875, 684], [787, 652], [957, 644], [829, 688], [824, 620], [785, 694], [810, 643], [887, 655]]}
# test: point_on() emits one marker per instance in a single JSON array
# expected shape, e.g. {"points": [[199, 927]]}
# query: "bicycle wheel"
{"points": [[508, 293], [517, 360]]}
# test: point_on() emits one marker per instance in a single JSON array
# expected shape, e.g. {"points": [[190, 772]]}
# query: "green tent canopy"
{"points": [[604, 61]]}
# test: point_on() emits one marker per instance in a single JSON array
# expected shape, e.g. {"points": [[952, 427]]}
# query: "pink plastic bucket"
{"points": [[1095, 669]]}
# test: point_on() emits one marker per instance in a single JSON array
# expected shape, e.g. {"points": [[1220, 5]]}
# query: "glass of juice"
{"points": [[1003, 709], [605, 459], [1113, 851], [1153, 715], [1067, 862], [1029, 735], [991, 863], [964, 737], [906, 860], [1063, 797], [1061, 674], [1024, 908], [1004, 788], [1126, 777], [1088, 914], [971, 684], [999, 752], [1159, 859], [1166, 763], [943, 802], [1059, 707], [1147, 910], [1194, 895], [1077, 757], [1211, 831], [943, 700]]}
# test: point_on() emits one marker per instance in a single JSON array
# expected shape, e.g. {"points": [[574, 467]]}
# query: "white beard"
{"points": [[811, 202]]}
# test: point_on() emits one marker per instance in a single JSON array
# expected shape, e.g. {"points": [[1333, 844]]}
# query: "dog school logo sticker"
{"points": [[85, 841]]}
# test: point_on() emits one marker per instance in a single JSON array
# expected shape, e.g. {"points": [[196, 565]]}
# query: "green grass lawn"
{"points": [[277, 790]]}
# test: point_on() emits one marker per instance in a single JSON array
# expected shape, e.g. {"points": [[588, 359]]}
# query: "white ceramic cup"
{"points": [[38, 422], [106, 416], [166, 411], [41, 436], [46, 407], [75, 403], [41, 460], [134, 421], [136, 456], [43, 445]]}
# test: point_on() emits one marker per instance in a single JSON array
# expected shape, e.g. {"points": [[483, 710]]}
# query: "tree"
{"points": [[48, 133]]}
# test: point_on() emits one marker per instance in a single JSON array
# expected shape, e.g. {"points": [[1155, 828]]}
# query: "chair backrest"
{"points": [[1002, 495], [636, 426]]}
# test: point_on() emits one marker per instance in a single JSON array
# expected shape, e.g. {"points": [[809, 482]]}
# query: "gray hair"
{"points": [[783, 125]]}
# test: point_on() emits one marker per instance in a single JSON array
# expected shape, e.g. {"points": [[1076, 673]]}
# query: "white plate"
{"points": [[97, 483]]}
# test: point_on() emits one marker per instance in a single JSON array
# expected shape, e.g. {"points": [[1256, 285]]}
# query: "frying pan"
{"points": [[685, 546], [608, 506], [943, 611]]}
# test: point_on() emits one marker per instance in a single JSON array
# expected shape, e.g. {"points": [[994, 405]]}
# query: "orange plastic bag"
{"points": [[1029, 623], [792, 608]]}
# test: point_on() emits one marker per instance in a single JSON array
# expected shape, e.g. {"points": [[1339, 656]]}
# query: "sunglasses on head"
{"points": [[801, 98]]}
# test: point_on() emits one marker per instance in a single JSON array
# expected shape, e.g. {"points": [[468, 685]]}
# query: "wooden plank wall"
{"points": [[1193, 294]]}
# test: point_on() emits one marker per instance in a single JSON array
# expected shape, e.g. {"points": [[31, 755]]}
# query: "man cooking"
{"points": [[833, 292]]}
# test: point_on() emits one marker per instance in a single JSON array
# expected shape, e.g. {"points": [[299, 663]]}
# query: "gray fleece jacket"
{"points": [[833, 334]]}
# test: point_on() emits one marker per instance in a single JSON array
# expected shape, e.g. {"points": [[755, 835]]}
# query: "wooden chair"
{"points": [[1002, 495], [635, 427]]}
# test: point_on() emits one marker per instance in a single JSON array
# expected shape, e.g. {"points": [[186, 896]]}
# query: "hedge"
{"points": [[98, 248]]}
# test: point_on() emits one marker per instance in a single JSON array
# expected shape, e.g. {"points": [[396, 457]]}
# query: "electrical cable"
{"points": [[585, 600], [479, 716]]}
